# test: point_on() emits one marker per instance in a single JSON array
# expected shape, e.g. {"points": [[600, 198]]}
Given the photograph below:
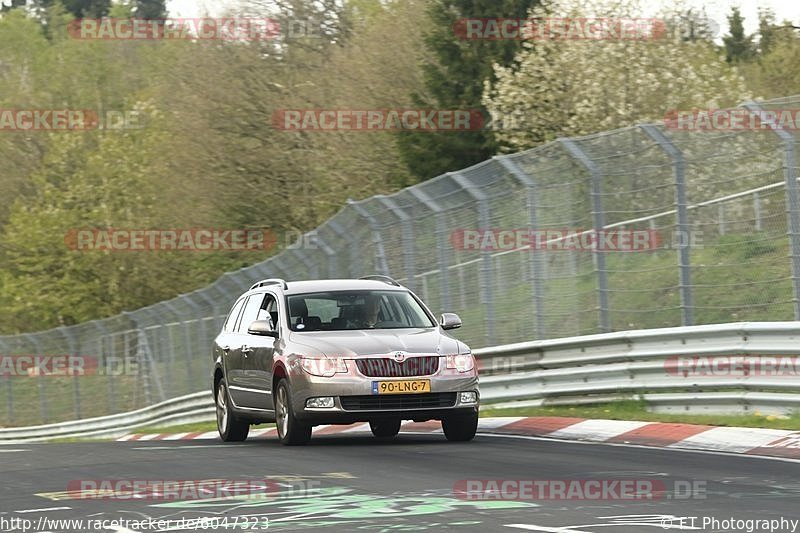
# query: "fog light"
{"points": [[469, 397], [324, 402]]}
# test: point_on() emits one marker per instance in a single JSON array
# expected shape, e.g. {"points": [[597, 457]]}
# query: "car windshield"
{"points": [[352, 310]]}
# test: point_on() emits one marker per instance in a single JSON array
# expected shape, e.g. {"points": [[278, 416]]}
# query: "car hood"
{"points": [[377, 341]]}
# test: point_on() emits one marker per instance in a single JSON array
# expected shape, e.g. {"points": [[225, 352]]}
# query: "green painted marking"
{"points": [[325, 507]]}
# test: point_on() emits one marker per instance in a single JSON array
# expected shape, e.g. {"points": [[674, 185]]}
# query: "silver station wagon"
{"points": [[306, 353]]}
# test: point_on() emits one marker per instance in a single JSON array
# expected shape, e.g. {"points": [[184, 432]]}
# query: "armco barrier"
{"points": [[569, 371], [197, 407]]}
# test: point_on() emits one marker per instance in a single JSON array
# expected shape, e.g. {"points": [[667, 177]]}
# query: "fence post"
{"points": [[407, 228], [76, 386], [536, 265], [143, 367], [111, 400], [441, 243], [42, 395], [484, 223], [190, 360], [792, 199], [598, 216], [684, 259], [757, 210], [7, 380], [377, 239]]}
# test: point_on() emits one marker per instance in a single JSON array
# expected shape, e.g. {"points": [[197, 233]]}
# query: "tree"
{"points": [[150, 9], [454, 76], [574, 87], [738, 46], [766, 30], [78, 8]]}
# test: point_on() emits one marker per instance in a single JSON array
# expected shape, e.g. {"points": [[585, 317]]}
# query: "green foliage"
{"points": [[207, 156], [747, 246], [560, 88], [86, 8], [738, 45], [150, 9], [454, 77]]}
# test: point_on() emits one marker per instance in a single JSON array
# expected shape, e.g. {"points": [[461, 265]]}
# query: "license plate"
{"points": [[409, 386]]}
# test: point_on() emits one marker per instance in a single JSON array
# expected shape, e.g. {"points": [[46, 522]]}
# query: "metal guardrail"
{"points": [[569, 371], [197, 407]]}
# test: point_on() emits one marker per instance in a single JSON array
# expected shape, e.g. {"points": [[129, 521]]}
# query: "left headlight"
{"points": [[461, 362]]}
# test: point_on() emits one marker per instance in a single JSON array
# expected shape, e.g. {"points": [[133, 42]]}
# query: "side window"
{"points": [[269, 310], [250, 313], [228, 327]]}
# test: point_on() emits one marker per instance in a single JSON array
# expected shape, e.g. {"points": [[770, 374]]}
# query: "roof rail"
{"points": [[271, 281], [385, 279]]}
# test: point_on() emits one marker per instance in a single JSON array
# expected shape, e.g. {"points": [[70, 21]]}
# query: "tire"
{"points": [[230, 428], [460, 428], [291, 432], [385, 429]]}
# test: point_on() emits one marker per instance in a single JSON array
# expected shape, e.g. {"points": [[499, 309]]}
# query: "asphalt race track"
{"points": [[355, 483]]}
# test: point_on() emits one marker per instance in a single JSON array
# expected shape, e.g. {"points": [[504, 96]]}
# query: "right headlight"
{"points": [[325, 367]]}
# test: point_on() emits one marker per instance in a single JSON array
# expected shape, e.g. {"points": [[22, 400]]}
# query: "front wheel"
{"points": [[291, 432], [385, 429], [460, 428], [230, 428]]}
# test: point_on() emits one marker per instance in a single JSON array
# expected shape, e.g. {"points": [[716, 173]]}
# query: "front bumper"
{"points": [[361, 405]]}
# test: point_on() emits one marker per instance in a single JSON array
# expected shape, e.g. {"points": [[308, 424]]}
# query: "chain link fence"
{"points": [[724, 206]]}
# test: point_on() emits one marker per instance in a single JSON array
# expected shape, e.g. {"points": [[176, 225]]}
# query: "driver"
{"points": [[371, 308]]}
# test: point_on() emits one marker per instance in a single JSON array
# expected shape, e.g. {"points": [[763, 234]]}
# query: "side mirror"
{"points": [[450, 321], [262, 328]]}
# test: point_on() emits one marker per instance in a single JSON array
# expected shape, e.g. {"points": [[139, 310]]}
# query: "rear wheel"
{"points": [[291, 432], [385, 429], [230, 428], [460, 428]]}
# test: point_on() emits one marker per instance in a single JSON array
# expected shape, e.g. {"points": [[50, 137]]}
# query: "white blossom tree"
{"points": [[566, 87]]}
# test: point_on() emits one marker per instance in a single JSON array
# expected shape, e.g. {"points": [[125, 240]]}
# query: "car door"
{"points": [[259, 363], [227, 348], [244, 390]]}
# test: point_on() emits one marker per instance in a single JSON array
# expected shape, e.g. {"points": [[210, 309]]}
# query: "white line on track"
{"points": [[12, 451], [220, 445], [43, 510], [662, 448], [530, 527]]}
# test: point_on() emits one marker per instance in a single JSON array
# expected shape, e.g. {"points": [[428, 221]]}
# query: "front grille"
{"points": [[378, 402], [383, 367]]}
